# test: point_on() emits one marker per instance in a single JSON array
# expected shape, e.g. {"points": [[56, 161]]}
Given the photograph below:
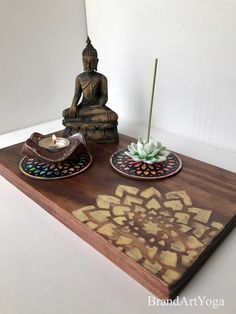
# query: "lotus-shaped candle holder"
{"points": [[51, 158], [148, 151], [31, 148]]}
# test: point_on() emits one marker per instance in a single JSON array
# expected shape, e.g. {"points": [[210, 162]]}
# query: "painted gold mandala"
{"points": [[164, 233]]}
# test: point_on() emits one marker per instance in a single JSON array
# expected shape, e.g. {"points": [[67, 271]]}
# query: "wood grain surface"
{"points": [[159, 232]]}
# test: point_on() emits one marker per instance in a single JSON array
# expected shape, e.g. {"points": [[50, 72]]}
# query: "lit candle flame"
{"points": [[54, 139]]}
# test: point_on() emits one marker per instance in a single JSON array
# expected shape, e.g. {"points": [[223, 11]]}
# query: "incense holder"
{"points": [[148, 151], [127, 166]]}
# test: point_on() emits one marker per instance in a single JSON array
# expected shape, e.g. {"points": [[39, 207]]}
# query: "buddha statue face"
{"points": [[90, 63]]}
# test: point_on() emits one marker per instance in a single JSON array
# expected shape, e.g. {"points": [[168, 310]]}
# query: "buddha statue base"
{"points": [[93, 132]]}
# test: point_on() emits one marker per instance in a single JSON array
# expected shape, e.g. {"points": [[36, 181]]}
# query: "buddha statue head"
{"points": [[89, 57]]}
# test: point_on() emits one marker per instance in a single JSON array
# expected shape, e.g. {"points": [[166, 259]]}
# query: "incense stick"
{"points": [[151, 107]]}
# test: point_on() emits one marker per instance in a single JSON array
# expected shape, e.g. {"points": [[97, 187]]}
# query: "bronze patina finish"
{"points": [[91, 116]]}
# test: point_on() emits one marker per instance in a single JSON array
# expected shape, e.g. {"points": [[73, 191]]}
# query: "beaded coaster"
{"points": [[39, 169], [126, 166]]}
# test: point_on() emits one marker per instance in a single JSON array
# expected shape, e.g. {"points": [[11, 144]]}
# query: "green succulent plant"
{"points": [[147, 151]]}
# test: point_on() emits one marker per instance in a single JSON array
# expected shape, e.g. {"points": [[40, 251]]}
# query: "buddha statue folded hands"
{"points": [[91, 116]]}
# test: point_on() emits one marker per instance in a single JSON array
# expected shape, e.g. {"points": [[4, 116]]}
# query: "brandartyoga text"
{"points": [[197, 301]]}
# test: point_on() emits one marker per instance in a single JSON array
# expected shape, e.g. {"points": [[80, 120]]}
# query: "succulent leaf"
{"points": [[134, 147], [142, 141], [149, 147]]}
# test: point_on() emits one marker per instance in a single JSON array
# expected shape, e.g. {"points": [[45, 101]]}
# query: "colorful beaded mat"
{"points": [[39, 169], [126, 166]]}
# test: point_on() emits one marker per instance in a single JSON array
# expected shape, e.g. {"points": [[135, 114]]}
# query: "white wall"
{"points": [[196, 46], [40, 55]]}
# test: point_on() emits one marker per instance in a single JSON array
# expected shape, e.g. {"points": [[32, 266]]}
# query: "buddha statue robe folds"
{"points": [[91, 116]]}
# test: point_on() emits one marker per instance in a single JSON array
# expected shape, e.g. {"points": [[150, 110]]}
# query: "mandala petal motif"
{"points": [[162, 232]]}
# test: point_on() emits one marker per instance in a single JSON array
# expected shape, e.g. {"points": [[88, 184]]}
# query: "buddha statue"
{"points": [[91, 116]]}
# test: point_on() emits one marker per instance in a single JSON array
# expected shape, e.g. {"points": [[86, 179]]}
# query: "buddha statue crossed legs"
{"points": [[91, 116]]}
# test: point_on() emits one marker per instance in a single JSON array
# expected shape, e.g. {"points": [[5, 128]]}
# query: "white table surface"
{"points": [[46, 269]]}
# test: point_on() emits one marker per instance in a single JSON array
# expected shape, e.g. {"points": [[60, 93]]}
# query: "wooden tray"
{"points": [[159, 232]]}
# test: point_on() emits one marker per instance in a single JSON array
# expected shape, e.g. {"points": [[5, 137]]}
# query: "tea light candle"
{"points": [[54, 144]]}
